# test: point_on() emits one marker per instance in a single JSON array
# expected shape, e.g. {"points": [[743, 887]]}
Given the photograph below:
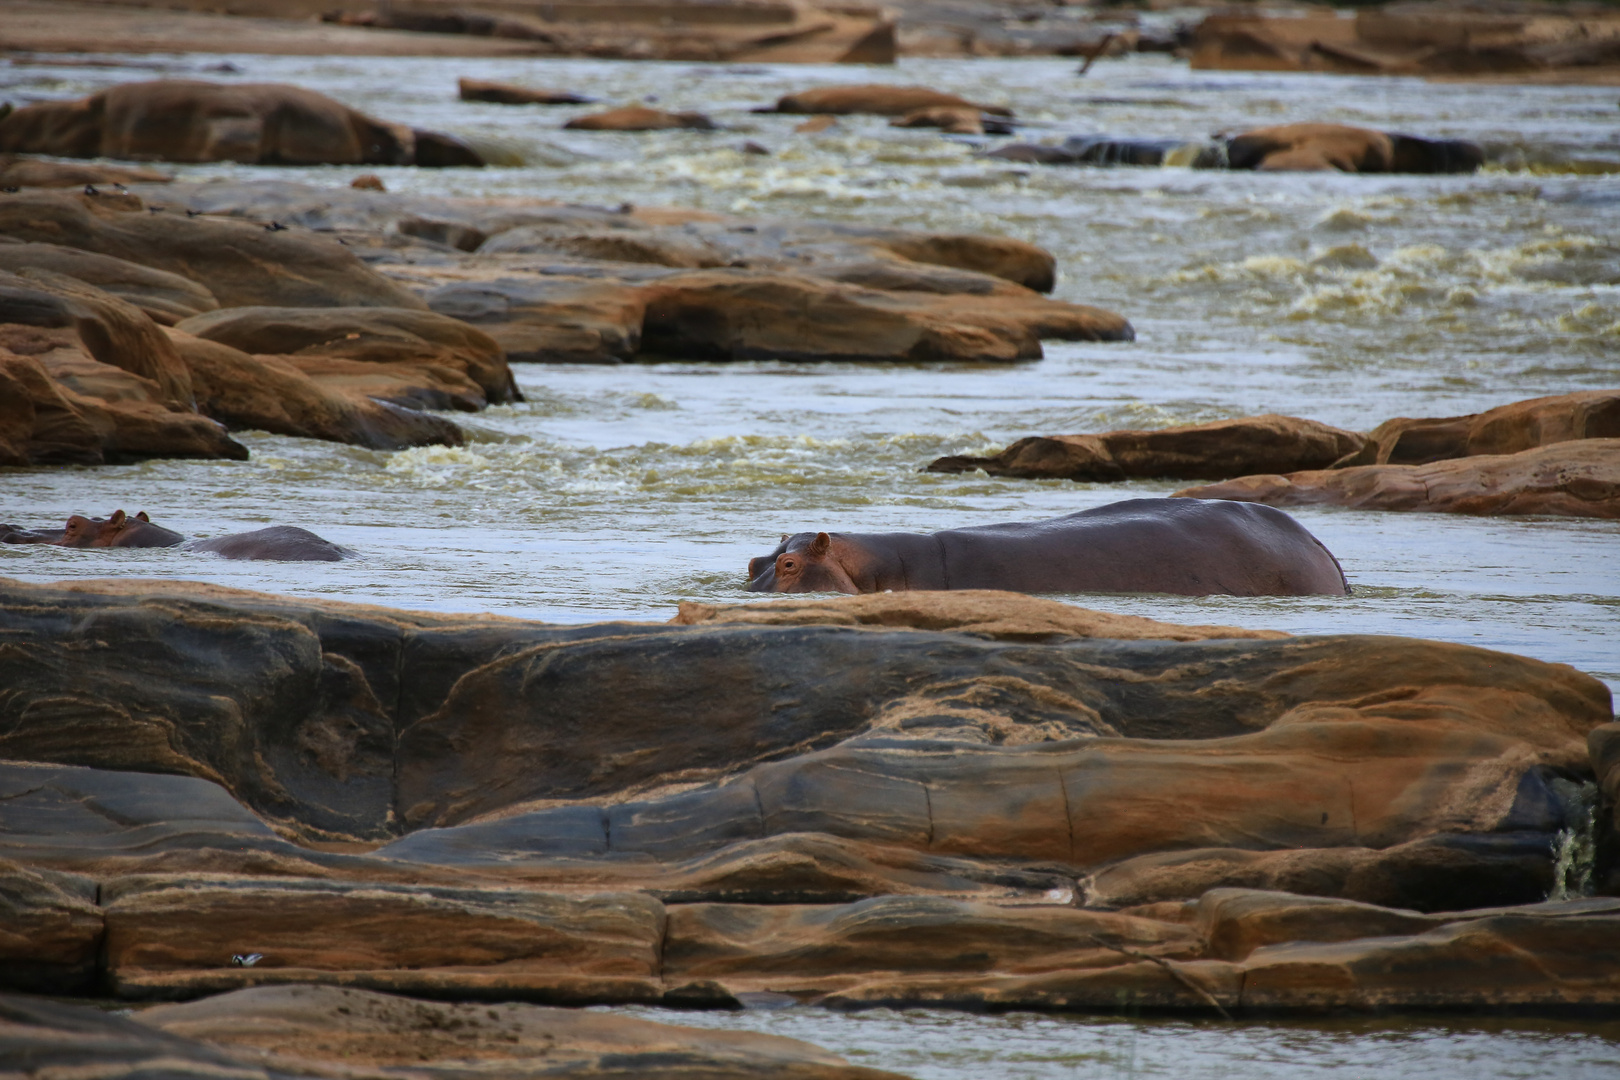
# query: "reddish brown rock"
{"points": [[1506, 429], [950, 119], [302, 1030], [508, 94], [878, 99], [50, 930], [189, 120], [446, 351], [639, 118], [238, 262], [1214, 451], [1325, 147], [1568, 479], [25, 172], [270, 393], [165, 298]]}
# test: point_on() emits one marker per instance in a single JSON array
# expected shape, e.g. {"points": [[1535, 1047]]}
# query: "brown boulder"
{"points": [[21, 172], [1569, 479], [639, 118], [252, 123], [550, 318], [877, 99], [1213, 451], [270, 393], [1506, 429], [1324, 147], [164, 297], [239, 263], [950, 119], [352, 339], [507, 94], [304, 1030]]}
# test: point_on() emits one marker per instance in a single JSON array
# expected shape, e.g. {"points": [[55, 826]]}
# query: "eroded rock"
{"points": [[1213, 451], [877, 99], [165, 298], [1569, 479], [508, 94], [639, 118], [1506, 429]]}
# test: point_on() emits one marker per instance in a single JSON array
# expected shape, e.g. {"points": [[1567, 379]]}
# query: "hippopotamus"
{"points": [[1193, 547], [284, 543]]}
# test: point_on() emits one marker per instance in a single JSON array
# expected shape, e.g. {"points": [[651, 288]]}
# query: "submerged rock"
{"points": [[639, 118], [878, 99], [189, 120], [1325, 147], [1213, 451], [508, 94], [1567, 479]]}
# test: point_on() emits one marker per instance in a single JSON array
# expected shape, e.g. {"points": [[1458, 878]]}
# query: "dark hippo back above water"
{"points": [[284, 543], [1191, 547]]}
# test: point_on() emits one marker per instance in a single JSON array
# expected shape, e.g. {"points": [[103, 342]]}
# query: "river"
{"points": [[614, 492]]}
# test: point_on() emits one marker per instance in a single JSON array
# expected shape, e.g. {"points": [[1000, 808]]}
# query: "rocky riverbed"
{"points": [[333, 806]]}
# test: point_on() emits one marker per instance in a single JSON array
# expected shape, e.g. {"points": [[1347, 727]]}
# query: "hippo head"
{"points": [[119, 530], [803, 562]]}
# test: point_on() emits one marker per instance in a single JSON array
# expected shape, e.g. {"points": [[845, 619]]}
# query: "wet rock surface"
{"points": [[1578, 478], [916, 799]]}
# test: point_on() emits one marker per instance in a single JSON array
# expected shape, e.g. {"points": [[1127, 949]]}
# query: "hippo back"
{"points": [[1192, 547], [283, 543]]}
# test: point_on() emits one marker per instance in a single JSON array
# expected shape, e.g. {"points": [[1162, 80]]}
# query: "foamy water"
{"points": [[618, 491]]}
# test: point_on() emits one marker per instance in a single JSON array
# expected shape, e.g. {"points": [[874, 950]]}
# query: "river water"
{"points": [[614, 492]]}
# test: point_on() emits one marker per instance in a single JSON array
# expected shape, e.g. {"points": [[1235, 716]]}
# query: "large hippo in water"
{"points": [[284, 543], [1193, 547]]}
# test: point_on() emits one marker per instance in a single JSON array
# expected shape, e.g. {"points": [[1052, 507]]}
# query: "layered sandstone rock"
{"points": [[1213, 451], [276, 394], [1567, 479], [435, 348], [640, 118], [164, 297], [508, 94], [50, 930], [1506, 429], [254, 123], [21, 172], [878, 99], [266, 1032], [238, 262]]}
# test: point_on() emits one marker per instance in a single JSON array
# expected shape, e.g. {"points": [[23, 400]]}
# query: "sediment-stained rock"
{"points": [[1579, 478], [165, 298], [50, 930], [1325, 147], [1213, 451], [271, 393], [56, 1037], [22, 172], [878, 99], [507, 94], [300, 1029], [399, 339], [1506, 429], [241, 264], [640, 118], [190, 120]]}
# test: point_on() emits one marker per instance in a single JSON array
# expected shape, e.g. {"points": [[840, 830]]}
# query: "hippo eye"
{"points": [[789, 564]]}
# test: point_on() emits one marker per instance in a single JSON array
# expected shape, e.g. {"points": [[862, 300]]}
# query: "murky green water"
{"points": [[617, 491]]}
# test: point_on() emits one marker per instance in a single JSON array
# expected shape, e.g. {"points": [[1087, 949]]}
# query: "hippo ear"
{"points": [[785, 537], [821, 544], [117, 518], [143, 517]]}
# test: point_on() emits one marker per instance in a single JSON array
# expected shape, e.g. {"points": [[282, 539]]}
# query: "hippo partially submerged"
{"points": [[283, 543], [1193, 547]]}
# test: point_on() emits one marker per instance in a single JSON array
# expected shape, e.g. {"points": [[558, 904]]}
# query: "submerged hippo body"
{"points": [[1193, 547], [283, 543]]}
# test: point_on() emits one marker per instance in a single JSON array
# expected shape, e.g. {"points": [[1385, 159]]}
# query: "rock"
{"points": [[269, 393], [239, 263], [297, 1028], [639, 118], [1435, 873], [190, 120], [170, 937], [21, 172], [995, 616], [877, 99], [367, 182], [1568, 479], [279, 1031], [395, 338], [550, 318], [748, 946], [1213, 451], [165, 298], [952, 120], [815, 124], [50, 931], [1506, 429], [1322, 147], [507, 94]]}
